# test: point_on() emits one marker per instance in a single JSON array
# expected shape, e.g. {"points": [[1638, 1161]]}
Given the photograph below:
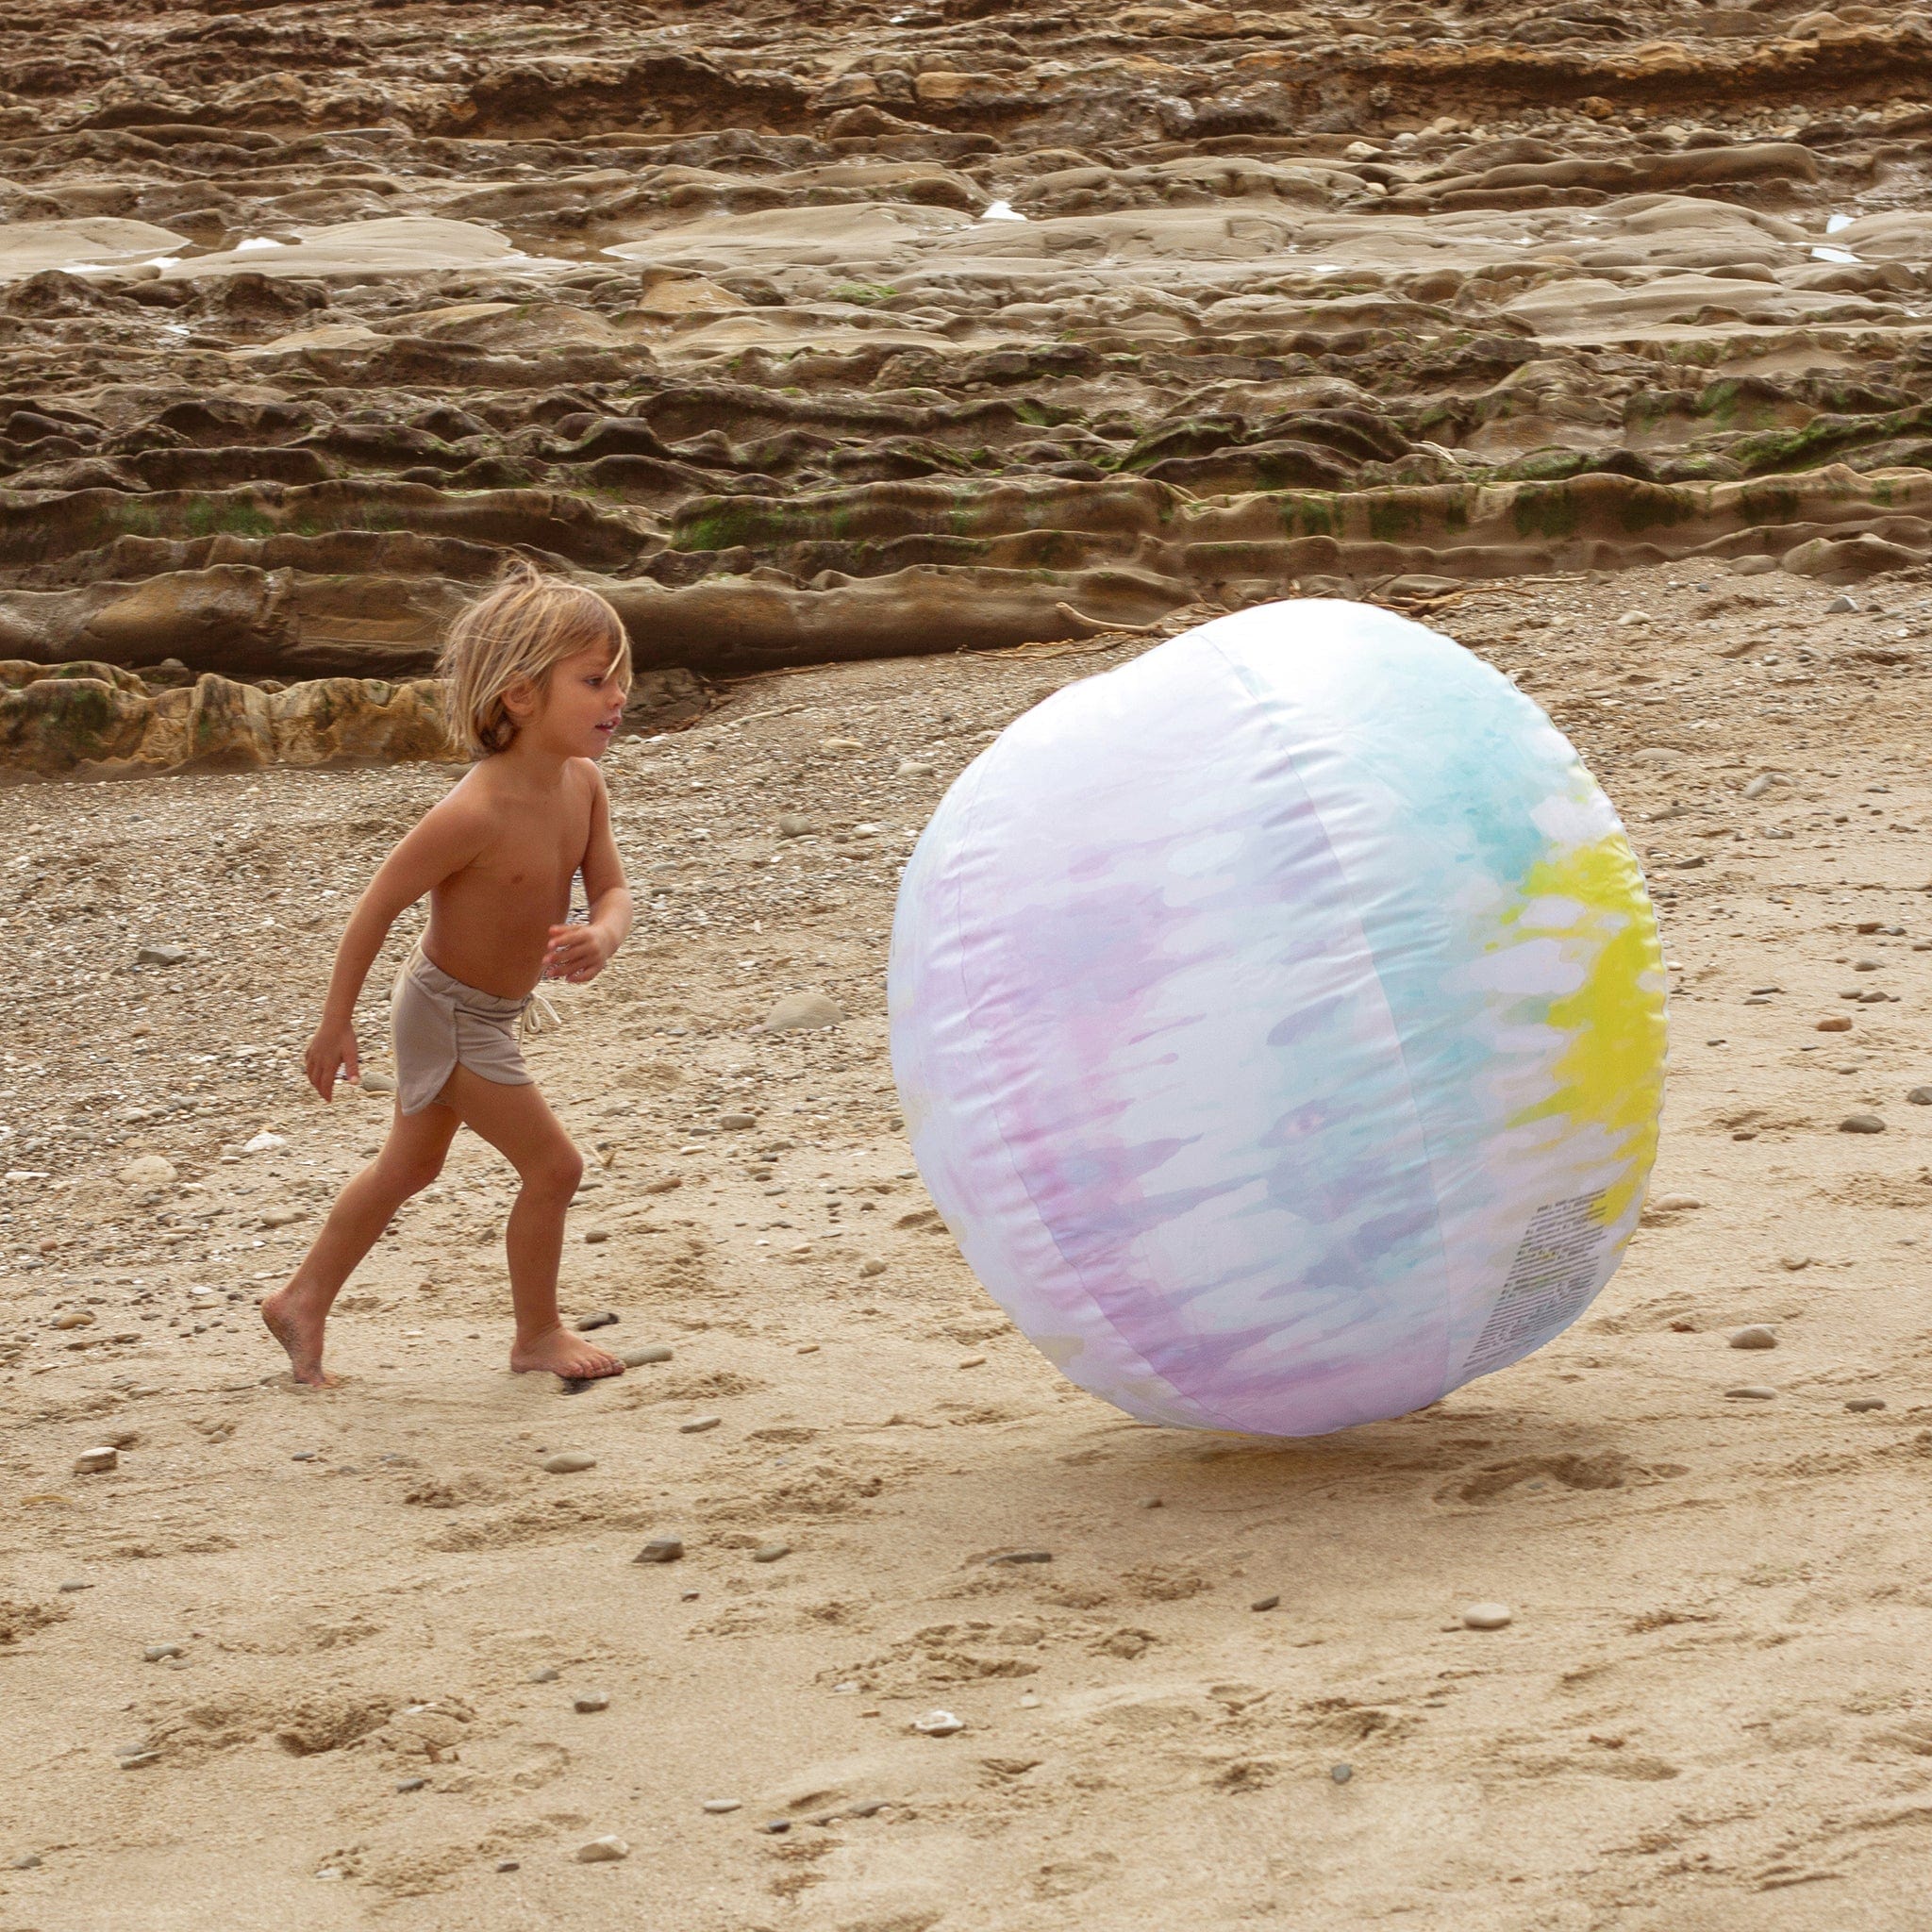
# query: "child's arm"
{"points": [[579, 953], [449, 838]]}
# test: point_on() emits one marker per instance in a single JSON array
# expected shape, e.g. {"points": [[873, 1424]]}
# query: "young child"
{"points": [[536, 673]]}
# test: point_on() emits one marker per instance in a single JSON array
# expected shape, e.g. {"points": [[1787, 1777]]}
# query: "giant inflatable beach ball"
{"points": [[1279, 1021]]}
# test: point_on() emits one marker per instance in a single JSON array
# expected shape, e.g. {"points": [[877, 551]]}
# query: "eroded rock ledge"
{"points": [[823, 333]]}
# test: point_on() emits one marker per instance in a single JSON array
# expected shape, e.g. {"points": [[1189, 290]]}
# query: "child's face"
{"points": [[582, 706]]}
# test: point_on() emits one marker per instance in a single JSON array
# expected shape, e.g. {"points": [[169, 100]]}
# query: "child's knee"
{"points": [[410, 1173], [556, 1174]]}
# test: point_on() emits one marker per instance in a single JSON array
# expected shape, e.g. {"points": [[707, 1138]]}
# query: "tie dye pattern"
{"points": [[1279, 1024]]}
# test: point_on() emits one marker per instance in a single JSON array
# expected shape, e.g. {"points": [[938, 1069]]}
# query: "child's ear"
{"points": [[520, 698]]}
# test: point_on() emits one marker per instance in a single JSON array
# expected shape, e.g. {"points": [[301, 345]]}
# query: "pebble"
{"points": [[159, 1653], [1265, 1603], [265, 1143], [135, 1760], [603, 1319], [1486, 1617], [509, 1865], [73, 1318], [718, 1807], [938, 1723], [1675, 1204], [1921, 1097], [660, 1549], [375, 1081], [67, 1588], [97, 1462], [590, 1701], [638, 1358], [602, 1850], [1341, 1773], [1864, 1404], [1024, 1556], [914, 768], [548, 1675], [802, 1012], [148, 1171], [1756, 1335], [867, 1269], [734, 1123], [794, 825], [1751, 1391], [161, 956], [595, 1238], [27, 1862], [770, 1553], [1838, 1023], [776, 1826], [411, 1784], [1840, 605], [569, 1462], [698, 1427], [1862, 1124]]}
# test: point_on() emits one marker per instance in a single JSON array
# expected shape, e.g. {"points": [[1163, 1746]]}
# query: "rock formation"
{"points": [[818, 332]]}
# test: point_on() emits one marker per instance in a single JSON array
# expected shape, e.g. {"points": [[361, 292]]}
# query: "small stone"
{"points": [[660, 1549], [867, 1269], [1835, 1022], [794, 825], [75, 1318], [136, 1760], [1795, 1264], [1751, 1391], [411, 1784], [770, 1553], [590, 1701], [1865, 1405], [160, 1652], [585, 1323], [937, 1724], [148, 1171], [1266, 1603], [913, 768], [1757, 1336], [1921, 1097], [96, 1461], [698, 1427], [776, 1826], [569, 1461], [973, 1361], [802, 1012], [719, 1807], [1675, 1204], [734, 1123], [602, 1850], [509, 1865], [1024, 1556], [28, 1861], [1632, 618], [548, 1673], [1341, 1773], [1486, 1617], [1862, 1124], [67, 1588], [265, 1143], [638, 1358], [1841, 605], [595, 1238], [161, 956], [375, 1081]]}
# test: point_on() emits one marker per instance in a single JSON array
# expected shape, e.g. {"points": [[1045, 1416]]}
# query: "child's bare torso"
{"points": [[489, 923]]}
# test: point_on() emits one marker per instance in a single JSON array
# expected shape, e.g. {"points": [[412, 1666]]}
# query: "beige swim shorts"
{"points": [[441, 1025]]}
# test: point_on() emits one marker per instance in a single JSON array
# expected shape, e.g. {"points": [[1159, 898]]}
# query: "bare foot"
{"points": [[294, 1318], [563, 1353]]}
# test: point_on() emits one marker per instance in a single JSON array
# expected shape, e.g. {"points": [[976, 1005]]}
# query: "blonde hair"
{"points": [[523, 629]]}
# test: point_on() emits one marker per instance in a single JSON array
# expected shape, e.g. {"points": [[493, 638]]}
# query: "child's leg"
{"points": [[411, 1158], [518, 1122]]}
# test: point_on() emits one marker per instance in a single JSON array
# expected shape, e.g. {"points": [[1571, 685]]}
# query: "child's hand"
{"points": [[577, 953], [332, 1053]]}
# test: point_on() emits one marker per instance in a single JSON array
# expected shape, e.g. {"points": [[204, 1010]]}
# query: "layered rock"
{"points": [[816, 333]]}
